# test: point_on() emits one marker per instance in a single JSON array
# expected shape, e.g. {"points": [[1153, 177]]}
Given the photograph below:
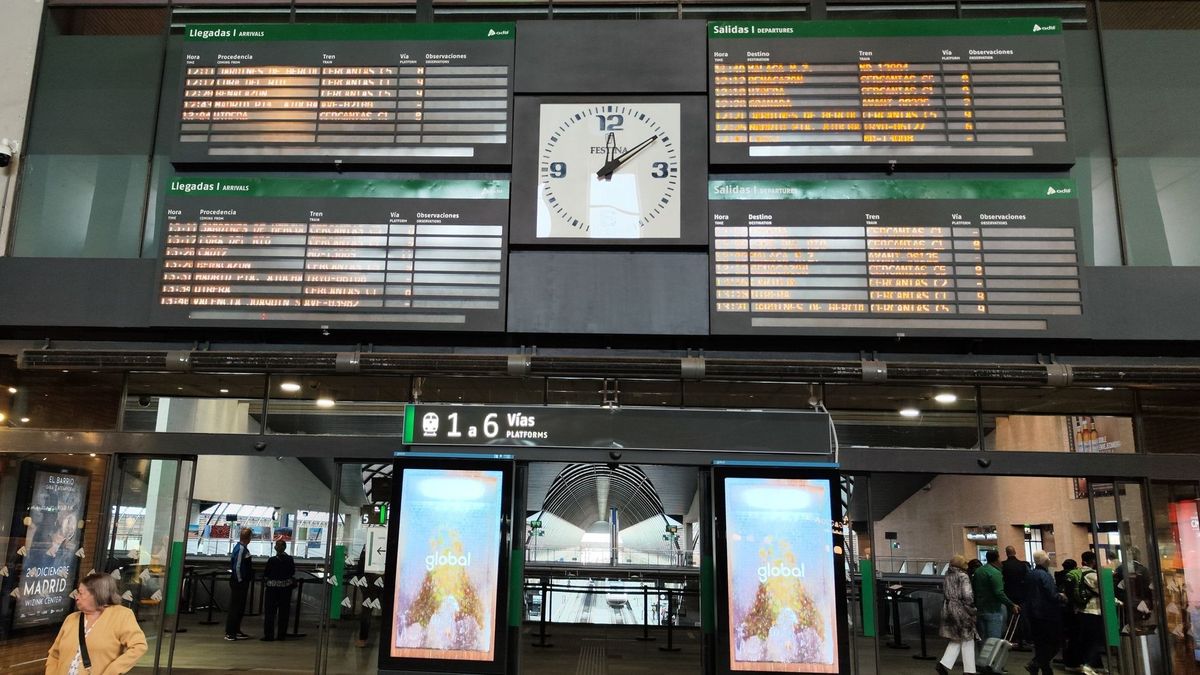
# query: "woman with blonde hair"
{"points": [[958, 618], [102, 638]]}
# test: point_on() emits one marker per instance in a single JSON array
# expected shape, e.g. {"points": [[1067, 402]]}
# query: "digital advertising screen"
{"points": [[53, 536], [447, 571], [1184, 623], [782, 606]]}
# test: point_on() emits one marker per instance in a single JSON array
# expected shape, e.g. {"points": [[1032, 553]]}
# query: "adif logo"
{"points": [[767, 571], [1058, 191], [429, 424], [446, 560], [1038, 29], [492, 32]]}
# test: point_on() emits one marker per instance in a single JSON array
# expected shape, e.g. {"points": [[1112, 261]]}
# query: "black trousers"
{"points": [[1091, 637], [1047, 637], [277, 605], [237, 606]]}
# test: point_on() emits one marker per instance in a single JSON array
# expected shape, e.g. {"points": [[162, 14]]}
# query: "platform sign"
{"points": [[779, 572], [446, 568], [794, 431]]}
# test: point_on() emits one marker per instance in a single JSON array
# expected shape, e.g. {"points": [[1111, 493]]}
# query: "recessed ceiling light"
{"points": [[2, 417], [1104, 388], [909, 412], [290, 386], [325, 402], [224, 391], [91, 454], [12, 390], [946, 397], [24, 420]]}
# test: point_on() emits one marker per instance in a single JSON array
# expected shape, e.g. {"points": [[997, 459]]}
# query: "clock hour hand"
{"points": [[613, 164]]}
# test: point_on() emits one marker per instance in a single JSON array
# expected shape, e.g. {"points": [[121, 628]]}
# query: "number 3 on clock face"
{"points": [[608, 171]]}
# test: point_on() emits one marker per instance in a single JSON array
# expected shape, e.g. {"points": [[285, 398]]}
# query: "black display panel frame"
{"points": [[693, 164], [912, 78], [816, 472], [389, 665], [308, 84]]}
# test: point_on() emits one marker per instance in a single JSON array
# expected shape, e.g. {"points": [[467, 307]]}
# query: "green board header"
{"points": [[318, 32], [893, 28], [356, 189], [891, 189]]}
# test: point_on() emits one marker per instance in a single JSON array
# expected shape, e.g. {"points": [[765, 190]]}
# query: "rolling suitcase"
{"points": [[994, 654]]}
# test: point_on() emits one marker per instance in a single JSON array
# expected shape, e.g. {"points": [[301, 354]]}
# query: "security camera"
{"points": [[8, 150], [260, 446], [144, 401]]}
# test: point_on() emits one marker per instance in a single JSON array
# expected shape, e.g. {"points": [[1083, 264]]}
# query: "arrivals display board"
{"points": [[898, 255], [346, 93], [855, 92], [780, 561], [446, 573], [421, 254]]}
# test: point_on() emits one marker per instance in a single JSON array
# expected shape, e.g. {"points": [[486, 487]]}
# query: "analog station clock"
{"points": [[609, 171]]}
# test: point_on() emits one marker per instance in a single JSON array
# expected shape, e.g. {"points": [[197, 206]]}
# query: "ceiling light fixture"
{"points": [[946, 397], [12, 390], [290, 387], [24, 420], [910, 412], [326, 401], [224, 391]]}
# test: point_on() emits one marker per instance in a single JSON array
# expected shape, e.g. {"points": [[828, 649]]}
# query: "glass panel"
{"points": [[337, 405], [1170, 420], [51, 518], [43, 400], [351, 643], [139, 549], [1176, 511], [903, 416], [275, 502], [204, 403], [83, 181], [1037, 429], [862, 587], [1150, 76]]}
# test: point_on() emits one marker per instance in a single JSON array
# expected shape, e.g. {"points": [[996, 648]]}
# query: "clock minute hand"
{"points": [[613, 164]]}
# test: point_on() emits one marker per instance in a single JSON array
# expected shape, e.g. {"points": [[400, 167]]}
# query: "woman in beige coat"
{"points": [[114, 640]]}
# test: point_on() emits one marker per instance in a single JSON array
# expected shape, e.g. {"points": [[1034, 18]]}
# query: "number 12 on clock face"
{"points": [[608, 171]]}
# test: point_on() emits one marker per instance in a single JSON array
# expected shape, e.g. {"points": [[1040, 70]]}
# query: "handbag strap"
{"points": [[83, 652]]}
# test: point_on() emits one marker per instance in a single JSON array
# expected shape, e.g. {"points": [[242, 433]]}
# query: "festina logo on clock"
{"points": [[608, 171]]}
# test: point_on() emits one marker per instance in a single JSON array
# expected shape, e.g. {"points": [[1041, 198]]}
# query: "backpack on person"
{"points": [[1078, 590]]}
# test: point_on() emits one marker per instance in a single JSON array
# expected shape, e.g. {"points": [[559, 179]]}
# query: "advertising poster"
{"points": [[781, 573], [1187, 529], [54, 532], [447, 565]]}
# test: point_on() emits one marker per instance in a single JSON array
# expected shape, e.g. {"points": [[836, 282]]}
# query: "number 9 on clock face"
{"points": [[608, 171]]}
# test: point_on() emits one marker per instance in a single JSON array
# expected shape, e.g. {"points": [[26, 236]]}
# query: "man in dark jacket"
{"points": [[241, 575], [277, 604], [990, 598], [1043, 609], [1015, 570]]}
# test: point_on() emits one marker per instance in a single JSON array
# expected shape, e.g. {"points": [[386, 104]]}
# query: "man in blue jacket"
{"points": [[241, 575], [1043, 609]]}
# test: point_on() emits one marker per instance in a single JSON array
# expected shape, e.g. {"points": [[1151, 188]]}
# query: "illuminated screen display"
{"points": [[447, 565], [357, 93], [922, 91], [53, 537], [898, 255], [781, 576], [1187, 529]]}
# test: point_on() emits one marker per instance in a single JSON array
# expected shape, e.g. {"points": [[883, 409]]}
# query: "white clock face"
{"points": [[608, 171]]}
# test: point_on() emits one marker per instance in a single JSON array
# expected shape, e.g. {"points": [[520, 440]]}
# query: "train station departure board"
{"points": [[369, 93], [893, 255], [398, 254], [864, 92]]}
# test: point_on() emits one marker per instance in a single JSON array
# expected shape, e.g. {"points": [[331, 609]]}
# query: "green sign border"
{"points": [[236, 186], [727, 190], [346, 32], [1035, 27]]}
